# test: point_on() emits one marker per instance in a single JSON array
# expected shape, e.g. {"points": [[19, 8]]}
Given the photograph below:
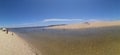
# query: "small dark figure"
{"points": [[12, 34], [87, 23], [7, 31], [64, 29], [43, 29]]}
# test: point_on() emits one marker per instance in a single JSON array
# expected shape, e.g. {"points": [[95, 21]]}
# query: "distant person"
{"points": [[12, 34], [6, 31], [43, 29], [87, 23], [64, 29]]}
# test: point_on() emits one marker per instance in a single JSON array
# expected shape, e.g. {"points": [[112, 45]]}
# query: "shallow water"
{"points": [[92, 41]]}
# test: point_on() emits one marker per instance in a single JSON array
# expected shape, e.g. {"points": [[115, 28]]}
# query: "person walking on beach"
{"points": [[6, 31], [12, 34]]}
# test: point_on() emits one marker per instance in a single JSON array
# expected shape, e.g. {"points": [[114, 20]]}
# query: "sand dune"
{"points": [[90, 25], [13, 45]]}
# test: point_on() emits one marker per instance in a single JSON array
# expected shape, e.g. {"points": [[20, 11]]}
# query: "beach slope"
{"points": [[13, 45]]}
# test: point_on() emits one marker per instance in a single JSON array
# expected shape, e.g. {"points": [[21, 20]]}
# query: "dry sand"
{"points": [[14, 45], [90, 25]]}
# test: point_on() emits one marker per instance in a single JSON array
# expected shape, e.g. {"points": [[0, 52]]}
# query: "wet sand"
{"points": [[89, 41], [13, 45]]}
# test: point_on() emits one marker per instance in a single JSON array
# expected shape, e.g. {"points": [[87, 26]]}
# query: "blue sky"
{"points": [[15, 13]]}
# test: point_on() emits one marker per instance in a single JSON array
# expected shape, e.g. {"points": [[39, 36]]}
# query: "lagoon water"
{"points": [[91, 41]]}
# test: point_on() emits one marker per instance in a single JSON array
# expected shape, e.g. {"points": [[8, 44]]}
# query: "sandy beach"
{"points": [[13, 45], [59, 27]]}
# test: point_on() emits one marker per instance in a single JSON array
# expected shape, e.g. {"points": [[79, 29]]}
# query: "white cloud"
{"points": [[92, 20], [70, 20], [61, 20]]}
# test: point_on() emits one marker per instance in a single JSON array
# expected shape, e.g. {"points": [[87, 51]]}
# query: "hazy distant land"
{"points": [[87, 25]]}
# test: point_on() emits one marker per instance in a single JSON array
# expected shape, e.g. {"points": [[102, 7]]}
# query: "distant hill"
{"points": [[38, 26]]}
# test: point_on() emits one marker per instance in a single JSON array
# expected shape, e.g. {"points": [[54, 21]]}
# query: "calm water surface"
{"points": [[94, 41]]}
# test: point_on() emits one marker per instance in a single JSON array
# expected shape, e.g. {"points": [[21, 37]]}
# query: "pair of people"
{"points": [[5, 30]]}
